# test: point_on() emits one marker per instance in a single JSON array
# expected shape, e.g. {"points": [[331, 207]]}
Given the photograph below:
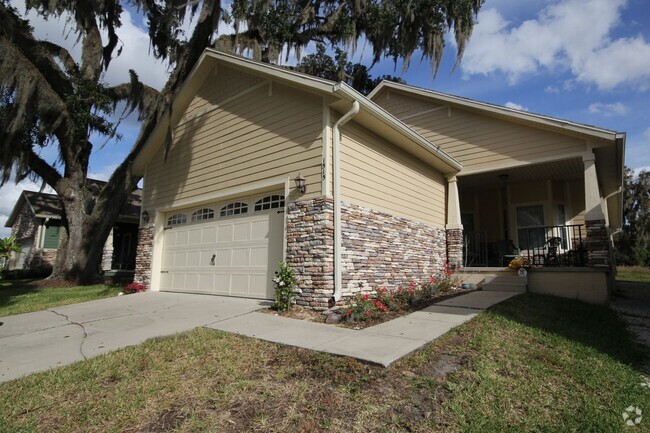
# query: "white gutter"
{"points": [[618, 191], [336, 150]]}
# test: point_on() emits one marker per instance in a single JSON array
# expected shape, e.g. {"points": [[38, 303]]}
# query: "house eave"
{"points": [[524, 116]]}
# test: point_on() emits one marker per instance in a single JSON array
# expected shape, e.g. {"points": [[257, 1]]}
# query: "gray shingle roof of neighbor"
{"points": [[45, 205]]}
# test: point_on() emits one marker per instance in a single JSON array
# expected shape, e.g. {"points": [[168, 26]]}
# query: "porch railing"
{"points": [[543, 246], [554, 245]]}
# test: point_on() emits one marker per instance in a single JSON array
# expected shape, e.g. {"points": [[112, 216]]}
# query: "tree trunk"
{"points": [[86, 223]]}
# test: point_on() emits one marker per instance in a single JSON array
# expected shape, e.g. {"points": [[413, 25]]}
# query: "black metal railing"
{"points": [[475, 252], [553, 245]]}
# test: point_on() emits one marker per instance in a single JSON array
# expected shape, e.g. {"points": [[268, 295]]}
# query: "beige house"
{"points": [[268, 165]]}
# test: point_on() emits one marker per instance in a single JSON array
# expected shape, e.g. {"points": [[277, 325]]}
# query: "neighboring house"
{"points": [[36, 221], [384, 199]]}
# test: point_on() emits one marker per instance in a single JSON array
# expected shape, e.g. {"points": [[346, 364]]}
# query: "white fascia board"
{"points": [[384, 116], [273, 71], [540, 119]]}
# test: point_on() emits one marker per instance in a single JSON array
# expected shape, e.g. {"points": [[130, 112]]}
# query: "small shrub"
{"points": [[21, 274], [285, 282], [134, 288]]}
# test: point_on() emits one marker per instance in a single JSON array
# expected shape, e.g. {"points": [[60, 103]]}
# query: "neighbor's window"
{"points": [[235, 208], [530, 226], [270, 202], [203, 214], [52, 233], [176, 219]]}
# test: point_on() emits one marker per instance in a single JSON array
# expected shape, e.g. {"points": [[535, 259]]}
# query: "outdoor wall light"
{"points": [[145, 217], [300, 183]]}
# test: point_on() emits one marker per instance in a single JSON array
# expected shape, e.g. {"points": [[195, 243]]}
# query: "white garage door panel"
{"points": [[235, 256]]}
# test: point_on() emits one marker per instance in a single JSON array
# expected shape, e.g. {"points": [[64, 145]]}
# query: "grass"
{"points": [[21, 296], [532, 363], [636, 274]]}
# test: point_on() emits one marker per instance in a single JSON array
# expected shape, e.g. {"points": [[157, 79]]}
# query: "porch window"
{"points": [[530, 227]]}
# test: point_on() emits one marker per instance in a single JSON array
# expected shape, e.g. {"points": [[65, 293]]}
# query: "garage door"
{"points": [[225, 249]]}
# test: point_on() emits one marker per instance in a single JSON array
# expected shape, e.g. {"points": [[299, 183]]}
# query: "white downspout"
{"points": [[336, 166]]}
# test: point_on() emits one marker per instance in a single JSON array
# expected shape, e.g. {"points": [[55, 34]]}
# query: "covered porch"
{"points": [[545, 212]]}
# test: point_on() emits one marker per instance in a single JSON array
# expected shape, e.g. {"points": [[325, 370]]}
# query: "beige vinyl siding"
{"points": [[577, 202], [479, 141], [222, 84], [489, 213], [255, 137], [529, 192], [378, 175]]}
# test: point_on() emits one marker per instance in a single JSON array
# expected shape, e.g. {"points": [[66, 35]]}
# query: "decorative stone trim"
{"points": [[144, 255], [455, 247], [310, 250], [597, 244], [377, 249], [107, 253], [387, 250]]}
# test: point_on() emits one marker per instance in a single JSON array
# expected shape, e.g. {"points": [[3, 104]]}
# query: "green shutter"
{"points": [[51, 237]]}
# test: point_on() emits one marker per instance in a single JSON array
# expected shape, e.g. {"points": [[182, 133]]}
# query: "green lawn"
{"points": [[637, 274], [20, 296], [532, 363]]}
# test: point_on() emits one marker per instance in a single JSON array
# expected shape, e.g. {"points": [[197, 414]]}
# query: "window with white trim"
{"points": [[176, 219], [530, 226], [235, 208], [270, 202], [203, 214]]}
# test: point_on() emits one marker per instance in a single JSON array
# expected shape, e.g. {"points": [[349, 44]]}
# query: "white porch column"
{"points": [[454, 227], [593, 205], [453, 204]]}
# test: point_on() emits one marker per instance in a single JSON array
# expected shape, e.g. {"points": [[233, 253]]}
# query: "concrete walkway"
{"points": [[37, 341], [381, 344], [59, 336]]}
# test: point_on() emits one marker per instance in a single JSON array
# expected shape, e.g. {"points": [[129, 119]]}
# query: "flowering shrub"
{"points": [[519, 262], [285, 282], [134, 288], [364, 306]]}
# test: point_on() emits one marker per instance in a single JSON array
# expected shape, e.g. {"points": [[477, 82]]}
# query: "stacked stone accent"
{"points": [[387, 250], [310, 250], [455, 247], [144, 255], [26, 223], [107, 254], [597, 244]]}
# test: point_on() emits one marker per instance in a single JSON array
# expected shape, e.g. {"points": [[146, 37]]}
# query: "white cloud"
{"points": [[573, 35], [104, 173], [516, 106], [608, 110], [552, 89]]}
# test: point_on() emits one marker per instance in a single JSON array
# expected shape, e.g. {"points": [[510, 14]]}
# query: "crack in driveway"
{"points": [[83, 329]]}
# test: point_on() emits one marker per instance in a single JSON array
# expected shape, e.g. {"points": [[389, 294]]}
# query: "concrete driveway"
{"points": [[62, 335]]}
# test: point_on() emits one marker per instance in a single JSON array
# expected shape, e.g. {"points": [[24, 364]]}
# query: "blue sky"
{"points": [[583, 60]]}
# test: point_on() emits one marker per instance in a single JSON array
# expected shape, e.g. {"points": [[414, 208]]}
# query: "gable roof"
{"points": [[45, 205], [555, 123], [390, 127]]}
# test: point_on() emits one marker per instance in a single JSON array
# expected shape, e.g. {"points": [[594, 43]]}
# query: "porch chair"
{"points": [[506, 251]]}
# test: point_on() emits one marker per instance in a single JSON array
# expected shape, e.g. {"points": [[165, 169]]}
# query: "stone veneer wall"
{"points": [[310, 250], [455, 247], [597, 244], [107, 254], [42, 258], [377, 249], [387, 250], [144, 254]]}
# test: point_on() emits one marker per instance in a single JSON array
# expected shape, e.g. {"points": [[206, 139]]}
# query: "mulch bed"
{"points": [[302, 313]]}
